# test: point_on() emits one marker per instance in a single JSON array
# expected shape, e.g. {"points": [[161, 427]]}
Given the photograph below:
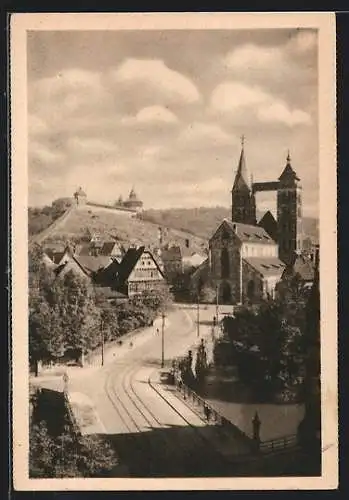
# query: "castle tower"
{"points": [[243, 200], [289, 213]]}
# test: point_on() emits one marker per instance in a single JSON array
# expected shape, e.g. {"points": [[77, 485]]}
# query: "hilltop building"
{"points": [[132, 204], [133, 201], [247, 259], [80, 196]]}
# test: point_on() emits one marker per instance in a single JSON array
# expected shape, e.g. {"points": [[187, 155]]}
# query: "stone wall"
{"points": [[231, 279]]}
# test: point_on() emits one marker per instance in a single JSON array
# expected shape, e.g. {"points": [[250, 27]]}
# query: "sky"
{"points": [[164, 111]]}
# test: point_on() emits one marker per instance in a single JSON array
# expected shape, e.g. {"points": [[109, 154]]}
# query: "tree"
{"points": [[207, 294], [41, 451], [69, 454]]}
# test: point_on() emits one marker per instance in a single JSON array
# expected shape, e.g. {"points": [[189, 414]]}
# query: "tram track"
{"points": [[157, 452]]}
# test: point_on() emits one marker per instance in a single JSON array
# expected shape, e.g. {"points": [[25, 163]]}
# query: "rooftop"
{"points": [[248, 233], [266, 266]]}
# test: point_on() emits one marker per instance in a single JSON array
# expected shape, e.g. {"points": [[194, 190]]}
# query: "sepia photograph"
{"points": [[174, 251]]}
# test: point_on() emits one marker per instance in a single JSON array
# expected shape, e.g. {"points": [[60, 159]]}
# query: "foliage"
{"points": [[68, 455], [62, 312], [268, 346], [67, 315], [41, 218], [207, 295]]}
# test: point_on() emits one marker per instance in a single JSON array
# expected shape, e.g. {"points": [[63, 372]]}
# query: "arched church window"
{"points": [[225, 263]]}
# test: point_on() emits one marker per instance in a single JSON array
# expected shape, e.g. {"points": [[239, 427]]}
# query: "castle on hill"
{"points": [[132, 204]]}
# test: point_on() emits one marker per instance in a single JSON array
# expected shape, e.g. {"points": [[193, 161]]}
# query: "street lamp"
{"points": [[163, 340], [217, 303], [198, 318], [102, 343]]}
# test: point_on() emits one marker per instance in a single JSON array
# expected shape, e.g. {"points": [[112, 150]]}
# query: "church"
{"points": [[247, 259]]}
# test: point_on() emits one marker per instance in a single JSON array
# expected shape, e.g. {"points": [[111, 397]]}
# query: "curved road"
{"points": [[155, 433]]}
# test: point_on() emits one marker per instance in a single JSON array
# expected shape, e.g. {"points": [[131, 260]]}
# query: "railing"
{"points": [[279, 444], [211, 414]]}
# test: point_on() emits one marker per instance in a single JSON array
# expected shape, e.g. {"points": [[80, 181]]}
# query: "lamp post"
{"points": [[217, 302], [198, 317], [163, 340], [102, 343]]}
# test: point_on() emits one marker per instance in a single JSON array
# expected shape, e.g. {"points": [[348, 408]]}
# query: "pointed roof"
{"points": [[241, 177], [132, 195], [288, 172], [269, 224], [80, 192]]}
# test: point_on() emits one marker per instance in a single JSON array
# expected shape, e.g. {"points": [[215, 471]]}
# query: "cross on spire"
{"points": [[242, 140]]}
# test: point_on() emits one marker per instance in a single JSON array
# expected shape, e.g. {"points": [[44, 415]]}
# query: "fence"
{"points": [[211, 414], [264, 447]]}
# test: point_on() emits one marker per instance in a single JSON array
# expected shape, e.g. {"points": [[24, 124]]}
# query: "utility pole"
{"points": [[163, 340], [102, 344], [198, 318], [217, 302]]}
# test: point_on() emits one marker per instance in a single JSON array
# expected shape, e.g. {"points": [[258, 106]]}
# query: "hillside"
{"points": [[125, 228], [203, 221]]}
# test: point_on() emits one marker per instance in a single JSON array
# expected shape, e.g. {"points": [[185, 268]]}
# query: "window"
{"points": [[225, 264]]}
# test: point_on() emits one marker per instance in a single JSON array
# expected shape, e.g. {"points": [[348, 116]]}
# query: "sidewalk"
{"points": [[85, 414], [228, 444]]}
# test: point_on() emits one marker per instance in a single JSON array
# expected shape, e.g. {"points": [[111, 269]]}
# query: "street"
{"points": [[153, 431]]}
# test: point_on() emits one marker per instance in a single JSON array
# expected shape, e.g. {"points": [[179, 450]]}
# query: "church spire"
{"points": [[241, 177], [243, 200]]}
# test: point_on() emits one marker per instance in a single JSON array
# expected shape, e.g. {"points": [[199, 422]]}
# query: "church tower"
{"points": [[289, 214], [242, 197]]}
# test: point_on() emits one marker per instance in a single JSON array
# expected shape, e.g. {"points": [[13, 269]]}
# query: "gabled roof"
{"points": [[92, 264], [266, 266], [269, 224], [83, 249], [128, 263], [108, 247], [56, 257], [247, 233]]}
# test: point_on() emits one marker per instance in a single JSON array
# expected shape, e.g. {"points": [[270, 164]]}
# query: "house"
{"points": [[72, 265], [171, 257], [302, 266], [192, 259], [138, 272], [112, 249], [243, 263], [92, 264], [59, 257]]}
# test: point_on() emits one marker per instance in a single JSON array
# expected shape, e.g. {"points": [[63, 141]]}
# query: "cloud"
{"points": [[252, 57], [278, 112], [152, 115], [234, 99], [91, 146], [303, 42], [39, 153], [198, 132], [158, 77]]}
